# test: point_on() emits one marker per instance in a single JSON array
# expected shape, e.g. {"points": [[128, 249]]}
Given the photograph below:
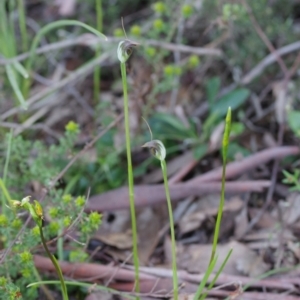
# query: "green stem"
{"points": [[22, 25], [174, 265], [130, 179], [224, 155], [6, 196], [10, 135], [97, 72], [56, 266], [60, 252]]}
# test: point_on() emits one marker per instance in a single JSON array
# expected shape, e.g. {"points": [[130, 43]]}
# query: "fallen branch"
{"points": [[147, 195]]}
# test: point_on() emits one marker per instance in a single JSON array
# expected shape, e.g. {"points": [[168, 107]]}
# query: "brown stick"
{"points": [[91, 272], [152, 194], [248, 163], [147, 195], [88, 270]]}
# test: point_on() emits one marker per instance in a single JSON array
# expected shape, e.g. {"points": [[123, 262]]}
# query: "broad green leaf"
{"points": [[212, 89], [168, 126], [233, 99], [200, 151]]}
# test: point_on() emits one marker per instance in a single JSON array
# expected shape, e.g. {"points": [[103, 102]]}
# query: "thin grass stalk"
{"points": [[217, 275], [172, 230], [47, 293], [6, 195], [22, 25], [222, 201], [213, 259], [130, 178], [9, 142], [205, 278], [42, 32], [97, 72]]}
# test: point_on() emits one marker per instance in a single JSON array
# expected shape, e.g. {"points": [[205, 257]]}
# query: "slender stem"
{"points": [[60, 252], [97, 72], [6, 195], [6, 169], [10, 135], [22, 24], [43, 286], [174, 264], [222, 200], [56, 266], [130, 179]]}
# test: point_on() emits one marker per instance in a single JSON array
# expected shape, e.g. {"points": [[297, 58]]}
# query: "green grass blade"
{"points": [[19, 67], [14, 83], [22, 25], [9, 142], [45, 30], [224, 153], [5, 193], [217, 275], [97, 72], [205, 278]]}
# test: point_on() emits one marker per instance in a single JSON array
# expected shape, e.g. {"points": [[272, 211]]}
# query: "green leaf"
{"points": [[234, 148], [212, 89], [200, 151], [293, 119], [233, 99], [170, 127]]}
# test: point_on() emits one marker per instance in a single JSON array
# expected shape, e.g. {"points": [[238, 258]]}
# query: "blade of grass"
{"points": [[45, 30], [205, 278], [19, 67], [7, 158], [217, 275], [220, 210], [6, 195], [224, 155], [97, 72], [13, 81], [22, 25]]}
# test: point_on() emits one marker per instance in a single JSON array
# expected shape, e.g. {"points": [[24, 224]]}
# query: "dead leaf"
{"points": [[283, 94], [243, 261], [120, 241], [207, 207], [65, 7], [270, 237], [290, 208], [216, 137], [241, 223], [100, 295], [115, 232]]}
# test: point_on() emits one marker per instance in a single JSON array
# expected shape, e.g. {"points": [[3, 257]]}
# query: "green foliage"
{"points": [[292, 179], [293, 119], [234, 99], [28, 162]]}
